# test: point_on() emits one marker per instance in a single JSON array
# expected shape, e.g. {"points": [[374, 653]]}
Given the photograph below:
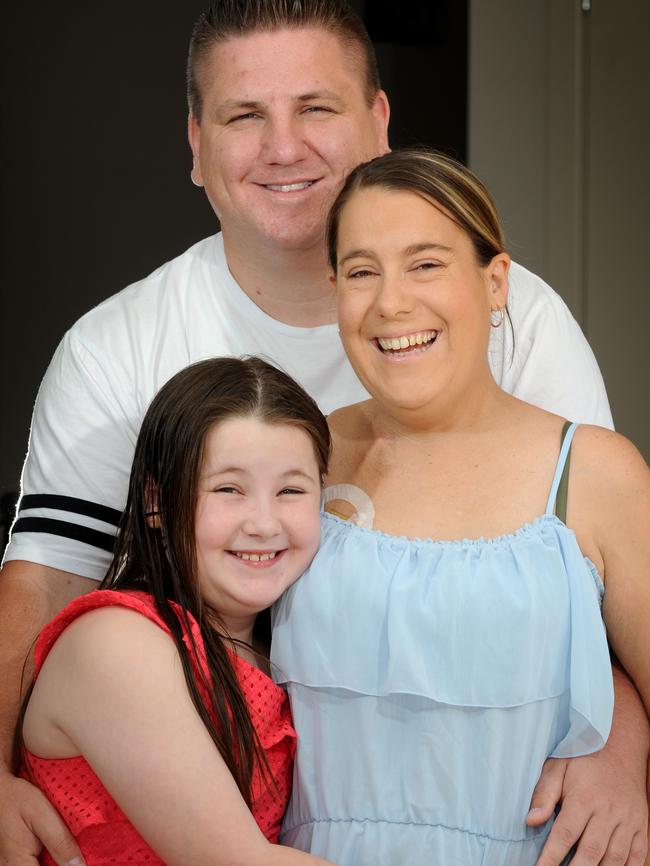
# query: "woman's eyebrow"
{"points": [[356, 254], [423, 247], [411, 250]]}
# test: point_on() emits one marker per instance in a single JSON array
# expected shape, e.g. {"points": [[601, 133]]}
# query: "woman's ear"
{"points": [[496, 273]]}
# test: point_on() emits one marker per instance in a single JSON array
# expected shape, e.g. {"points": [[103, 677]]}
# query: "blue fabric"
{"points": [[561, 460], [429, 681]]}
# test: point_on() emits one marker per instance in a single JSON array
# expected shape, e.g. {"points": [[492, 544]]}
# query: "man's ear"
{"points": [[151, 501], [194, 138], [381, 113], [496, 273]]}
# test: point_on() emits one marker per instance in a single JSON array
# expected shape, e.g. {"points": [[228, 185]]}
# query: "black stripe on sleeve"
{"points": [[66, 530], [69, 503]]}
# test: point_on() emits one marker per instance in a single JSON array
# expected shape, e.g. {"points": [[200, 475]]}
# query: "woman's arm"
{"points": [[609, 509], [114, 686]]}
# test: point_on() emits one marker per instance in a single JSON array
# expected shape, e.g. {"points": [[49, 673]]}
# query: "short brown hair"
{"points": [[224, 19]]}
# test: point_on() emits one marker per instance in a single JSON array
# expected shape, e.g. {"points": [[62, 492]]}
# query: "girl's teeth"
{"points": [[256, 557]]}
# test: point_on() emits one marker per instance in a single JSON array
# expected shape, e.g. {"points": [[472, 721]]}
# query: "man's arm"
{"points": [[87, 414], [602, 796], [544, 357], [30, 595]]}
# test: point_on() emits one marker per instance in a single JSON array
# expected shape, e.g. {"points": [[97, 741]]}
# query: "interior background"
{"points": [[546, 101]]}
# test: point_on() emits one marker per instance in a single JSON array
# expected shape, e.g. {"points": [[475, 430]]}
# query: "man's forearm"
{"points": [[630, 726], [30, 595]]}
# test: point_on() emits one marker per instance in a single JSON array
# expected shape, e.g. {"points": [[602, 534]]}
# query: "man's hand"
{"points": [[30, 595], [603, 796], [603, 810], [26, 816]]}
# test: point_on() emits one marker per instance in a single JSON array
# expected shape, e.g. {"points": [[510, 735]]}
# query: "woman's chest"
{"points": [[438, 492]]}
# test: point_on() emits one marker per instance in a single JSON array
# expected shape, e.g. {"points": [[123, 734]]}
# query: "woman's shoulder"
{"points": [[609, 494], [349, 421], [352, 436], [608, 457]]}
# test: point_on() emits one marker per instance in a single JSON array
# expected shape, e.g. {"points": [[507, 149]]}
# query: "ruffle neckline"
{"points": [[479, 623]]}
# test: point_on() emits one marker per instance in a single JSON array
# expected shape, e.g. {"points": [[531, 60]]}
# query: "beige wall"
{"points": [[558, 128]]}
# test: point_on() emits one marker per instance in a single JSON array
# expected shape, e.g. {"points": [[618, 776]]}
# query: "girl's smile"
{"points": [[257, 515]]}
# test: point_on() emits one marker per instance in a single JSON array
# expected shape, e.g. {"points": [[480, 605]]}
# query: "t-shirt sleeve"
{"points": [[544, 358], [75, 477]]}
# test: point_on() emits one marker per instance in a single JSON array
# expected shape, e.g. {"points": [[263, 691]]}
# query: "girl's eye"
{"points": [[290, 490], [226, 489]]}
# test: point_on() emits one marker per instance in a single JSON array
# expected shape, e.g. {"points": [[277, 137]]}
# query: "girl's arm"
{"points": [[112, 689]]}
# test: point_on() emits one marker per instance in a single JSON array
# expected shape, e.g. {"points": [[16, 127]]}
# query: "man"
{"points": [[284, 101]]}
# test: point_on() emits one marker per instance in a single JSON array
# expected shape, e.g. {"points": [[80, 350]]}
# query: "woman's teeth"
{"points": [[395, 344]]}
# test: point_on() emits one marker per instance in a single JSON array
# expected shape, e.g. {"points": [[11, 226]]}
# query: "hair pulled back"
{"points": [[443, 181]]}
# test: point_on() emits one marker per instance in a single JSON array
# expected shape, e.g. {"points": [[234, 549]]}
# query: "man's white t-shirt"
{"points": [[114, 359]]}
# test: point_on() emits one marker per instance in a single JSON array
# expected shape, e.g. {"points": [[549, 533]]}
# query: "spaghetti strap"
{"points": [[560, 479]]}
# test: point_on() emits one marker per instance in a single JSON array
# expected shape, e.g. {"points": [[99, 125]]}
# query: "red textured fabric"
{"points": [[103, 832]]}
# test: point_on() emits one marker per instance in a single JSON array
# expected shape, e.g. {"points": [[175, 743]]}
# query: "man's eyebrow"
{"points": [[319, 94], [411, 250], [237, 105], [252, 105]]}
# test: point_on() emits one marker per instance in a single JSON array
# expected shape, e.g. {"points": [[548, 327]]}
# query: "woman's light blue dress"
{"points": [[429, 682]]}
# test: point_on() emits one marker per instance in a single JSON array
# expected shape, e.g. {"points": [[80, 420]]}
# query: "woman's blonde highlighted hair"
{"points": [[443, 181]]}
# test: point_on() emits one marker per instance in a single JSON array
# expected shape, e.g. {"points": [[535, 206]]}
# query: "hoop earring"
{"points": [[497, 316]]}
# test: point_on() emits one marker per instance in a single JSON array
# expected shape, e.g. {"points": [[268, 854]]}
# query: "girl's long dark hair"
{"points": [[161, 559]]}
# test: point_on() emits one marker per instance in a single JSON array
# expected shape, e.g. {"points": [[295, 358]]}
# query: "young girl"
{"points": [[447, 638], [153, 725]]}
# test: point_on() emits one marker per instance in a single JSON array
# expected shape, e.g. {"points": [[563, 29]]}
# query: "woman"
{"points": [[153, 725], [448, 638]]}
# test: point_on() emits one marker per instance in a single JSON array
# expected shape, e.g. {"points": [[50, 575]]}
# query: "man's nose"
{"points": [[284, 141]]}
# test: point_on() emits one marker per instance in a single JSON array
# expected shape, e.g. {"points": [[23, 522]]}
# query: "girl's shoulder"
{"points": [[109, 653], [108, 606]]}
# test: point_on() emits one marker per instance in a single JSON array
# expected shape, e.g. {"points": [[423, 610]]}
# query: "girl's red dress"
{"points": [[102, 830]]}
